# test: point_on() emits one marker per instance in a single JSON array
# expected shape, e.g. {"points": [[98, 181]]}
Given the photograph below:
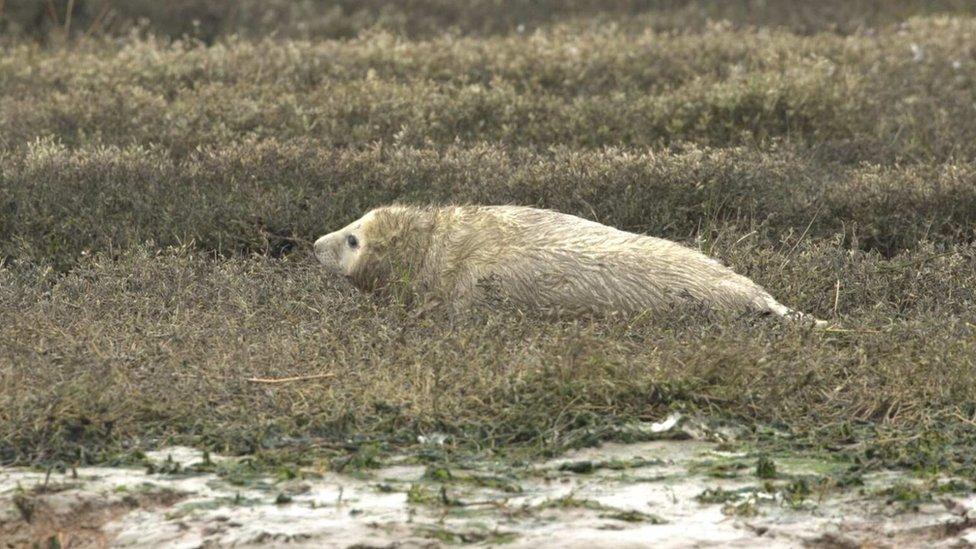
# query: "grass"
{"points": [[158, 198], [889, 97]]}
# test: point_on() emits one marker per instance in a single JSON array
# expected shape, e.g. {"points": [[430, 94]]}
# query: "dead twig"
{"points": [[800, 240], [52, 13], [836, 296], [750, 233], [68, 12], [97, 22], [272, 381], [836, 330], [968, 420]]}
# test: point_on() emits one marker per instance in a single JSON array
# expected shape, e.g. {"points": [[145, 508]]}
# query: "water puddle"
{"points": [[659, 493]]}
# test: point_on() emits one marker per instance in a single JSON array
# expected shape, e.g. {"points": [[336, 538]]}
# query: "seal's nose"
{"points": [[321, 248]]}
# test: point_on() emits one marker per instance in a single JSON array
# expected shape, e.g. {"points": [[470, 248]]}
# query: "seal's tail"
{"points": [[790, 314], [804, 318]]}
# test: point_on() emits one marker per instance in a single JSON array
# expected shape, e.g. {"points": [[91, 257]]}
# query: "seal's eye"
{"points": [[352, 241]]}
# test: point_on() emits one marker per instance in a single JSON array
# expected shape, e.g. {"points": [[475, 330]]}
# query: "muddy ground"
{"points": [[665, 493]]}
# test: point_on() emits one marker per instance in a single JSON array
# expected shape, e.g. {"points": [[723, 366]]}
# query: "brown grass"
{"points": [[158, 198]]}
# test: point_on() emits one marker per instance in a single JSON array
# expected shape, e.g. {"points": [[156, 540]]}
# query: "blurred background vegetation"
{"points": [[325, 19]]}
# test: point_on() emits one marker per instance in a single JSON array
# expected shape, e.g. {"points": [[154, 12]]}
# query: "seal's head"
{"points": [[386, 242], [339, 251]]}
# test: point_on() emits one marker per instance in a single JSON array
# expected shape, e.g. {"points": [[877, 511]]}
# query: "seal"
{"points": [[540, 260]]}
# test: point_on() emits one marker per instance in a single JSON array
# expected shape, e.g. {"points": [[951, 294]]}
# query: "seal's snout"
{"points": [[325, 250]]}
